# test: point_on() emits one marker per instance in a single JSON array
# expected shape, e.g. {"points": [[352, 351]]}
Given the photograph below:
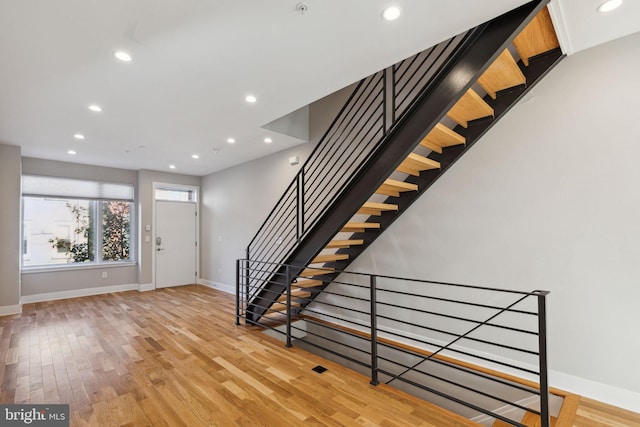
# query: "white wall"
{"points": [[236, 201], [548, 199], [10, 229]]}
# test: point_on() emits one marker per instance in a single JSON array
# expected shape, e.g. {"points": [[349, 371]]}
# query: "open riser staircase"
{"points": [[399, 132]]}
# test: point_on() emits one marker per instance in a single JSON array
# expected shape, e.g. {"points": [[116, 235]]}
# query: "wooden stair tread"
{"points": [[359, 227], [392, 187], [307, 283], [278, 306], [311, 272], [344, 243], [330, 257], [440, 137], [503, 73], [295, 293], [470, 107], [372, 208], [538, 37], [532, 420], [415, 163]]}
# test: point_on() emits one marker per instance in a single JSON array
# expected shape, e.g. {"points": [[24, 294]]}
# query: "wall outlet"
{"points": [[104, 274]]}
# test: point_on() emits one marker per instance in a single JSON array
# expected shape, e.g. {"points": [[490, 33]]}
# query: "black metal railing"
{"points": [[377, 103], [425, 337]]}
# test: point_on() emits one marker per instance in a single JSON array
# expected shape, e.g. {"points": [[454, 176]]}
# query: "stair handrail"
{"points": [[375, 298], [300, 206]]}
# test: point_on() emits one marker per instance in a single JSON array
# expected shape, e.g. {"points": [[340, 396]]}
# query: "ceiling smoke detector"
{"points": [[302, 8]]}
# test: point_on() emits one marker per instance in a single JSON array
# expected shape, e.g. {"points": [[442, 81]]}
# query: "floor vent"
{"points": [[319, 369]]}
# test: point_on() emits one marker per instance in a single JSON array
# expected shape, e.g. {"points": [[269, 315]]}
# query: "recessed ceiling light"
{"points": [[78, 136], [71, 152], [123, 56], [231, 140], [195, 156], [172, 166], [391, 13], [95, 108], [609, 5], [268, 140], [250, 99]]}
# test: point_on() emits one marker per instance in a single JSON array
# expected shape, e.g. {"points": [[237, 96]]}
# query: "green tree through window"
{"points": [[115, 230]]}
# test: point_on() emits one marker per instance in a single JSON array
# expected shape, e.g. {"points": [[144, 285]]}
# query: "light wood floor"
{"points": [[173, 357]]}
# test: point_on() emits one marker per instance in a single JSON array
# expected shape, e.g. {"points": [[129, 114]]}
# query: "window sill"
{"points": [[66, 267]]}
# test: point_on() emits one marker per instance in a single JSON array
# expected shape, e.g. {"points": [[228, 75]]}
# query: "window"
{"points": [[175, 194], [76, 222]]}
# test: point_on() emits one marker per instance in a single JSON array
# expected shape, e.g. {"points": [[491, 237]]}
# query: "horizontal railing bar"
{"points": [[466, 353], [344, 356], [406, 279], [433, 63], [455, 334], [372, 120], [345, 296], [457, 302], [451, 316], [449, 397], [369, 90], [454, 383], [341, 307], [324, 325], [335, 317], [401, 75], [332, 340], [466, 370]]}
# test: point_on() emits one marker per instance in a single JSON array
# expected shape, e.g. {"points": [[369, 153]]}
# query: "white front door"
{"points": [[175, 244]]}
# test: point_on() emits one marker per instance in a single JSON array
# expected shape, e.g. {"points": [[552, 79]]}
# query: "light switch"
{"points": [[147, 227], [147, 239]]}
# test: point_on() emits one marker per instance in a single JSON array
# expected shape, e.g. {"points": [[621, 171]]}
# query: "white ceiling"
{"points": [[195, 60]]}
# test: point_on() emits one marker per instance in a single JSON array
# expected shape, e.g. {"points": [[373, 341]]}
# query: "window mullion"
{"points": [[97, 218]]}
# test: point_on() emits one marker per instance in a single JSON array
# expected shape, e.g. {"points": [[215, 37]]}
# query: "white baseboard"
{"points": [[146, 287], [8, 310], [620, 397], [623, 398], [52, 296], [217, 285]]}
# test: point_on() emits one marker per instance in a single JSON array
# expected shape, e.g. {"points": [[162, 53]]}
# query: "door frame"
{"points": [[165, 185]]}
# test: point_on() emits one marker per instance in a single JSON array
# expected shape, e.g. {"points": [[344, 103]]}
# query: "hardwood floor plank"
{"points": [[174, 357]]}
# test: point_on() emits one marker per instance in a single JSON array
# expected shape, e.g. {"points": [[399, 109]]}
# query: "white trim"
{"points": [[622, 398], [146, 287], [217, 285], [154, 185], [601, 392], [560, 24], [8, 310], [99, 290]]}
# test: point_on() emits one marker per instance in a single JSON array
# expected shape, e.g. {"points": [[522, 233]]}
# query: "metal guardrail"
{"points": [[377, 103], [423, 335]]}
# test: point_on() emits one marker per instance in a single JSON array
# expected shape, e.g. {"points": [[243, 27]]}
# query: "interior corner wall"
{"points": [[146, 178], [10, 229], [548, 199], [236, 201]]}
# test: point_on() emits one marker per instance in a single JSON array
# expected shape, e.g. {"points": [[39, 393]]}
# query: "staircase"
{"points": [[412, 129]]}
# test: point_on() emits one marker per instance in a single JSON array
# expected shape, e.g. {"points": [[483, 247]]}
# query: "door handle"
{"points": [[160, 249]]}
